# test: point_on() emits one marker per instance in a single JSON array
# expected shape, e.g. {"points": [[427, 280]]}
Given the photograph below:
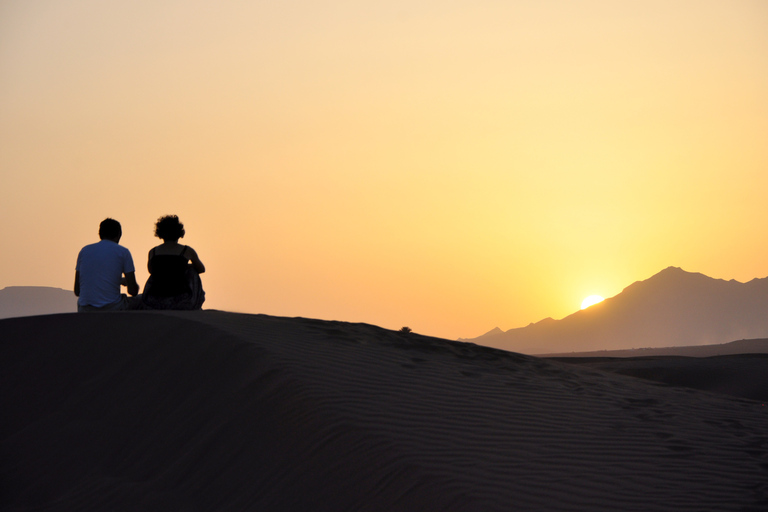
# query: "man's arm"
{"points": [[133, 286], [77, 283]]}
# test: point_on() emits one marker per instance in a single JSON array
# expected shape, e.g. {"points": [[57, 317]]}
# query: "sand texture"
{"points": [[214, 411]]}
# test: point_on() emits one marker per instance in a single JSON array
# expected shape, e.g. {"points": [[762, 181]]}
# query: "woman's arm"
{"points": [[196, 263]]}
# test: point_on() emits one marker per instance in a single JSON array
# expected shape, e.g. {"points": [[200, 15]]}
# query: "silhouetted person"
{"points": [[174, 282], [101, 269]]}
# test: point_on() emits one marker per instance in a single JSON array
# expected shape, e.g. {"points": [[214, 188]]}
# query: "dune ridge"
{"points": [[222, 411]]}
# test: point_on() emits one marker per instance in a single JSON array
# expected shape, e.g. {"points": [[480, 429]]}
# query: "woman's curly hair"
{"points": [[169, 228]]}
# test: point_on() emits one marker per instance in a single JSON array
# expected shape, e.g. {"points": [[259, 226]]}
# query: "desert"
{"points": [[220, 411]]}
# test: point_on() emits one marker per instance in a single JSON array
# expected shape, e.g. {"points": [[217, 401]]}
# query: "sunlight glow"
{"points": [[591, 301]]}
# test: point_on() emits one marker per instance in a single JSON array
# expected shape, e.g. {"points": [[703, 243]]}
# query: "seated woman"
{"points": [[173, 283]]}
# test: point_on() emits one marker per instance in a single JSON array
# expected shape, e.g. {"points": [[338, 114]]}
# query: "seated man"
{"points": [[101, 269]]}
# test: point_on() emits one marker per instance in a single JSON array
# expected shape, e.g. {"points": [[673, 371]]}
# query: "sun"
{"points": [[591, 301]]}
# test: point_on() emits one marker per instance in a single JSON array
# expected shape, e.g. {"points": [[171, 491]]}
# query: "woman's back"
{"points": [[168, 273]]}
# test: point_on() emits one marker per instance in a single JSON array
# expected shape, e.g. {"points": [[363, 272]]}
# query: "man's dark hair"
{"points": [[169, 228], [109, 229]]}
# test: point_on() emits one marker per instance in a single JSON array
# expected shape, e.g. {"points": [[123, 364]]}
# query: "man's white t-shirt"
{"points": [[101, 266]]}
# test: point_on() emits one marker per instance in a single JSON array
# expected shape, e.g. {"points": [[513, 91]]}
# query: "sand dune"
{"points": [[213, 411]]}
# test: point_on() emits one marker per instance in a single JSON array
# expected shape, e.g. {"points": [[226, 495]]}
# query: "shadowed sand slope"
{"points": [[743, 375], [740, 347], [215, 411]]}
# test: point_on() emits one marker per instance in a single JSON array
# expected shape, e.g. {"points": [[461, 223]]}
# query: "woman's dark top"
{"points": [[168, 274]]}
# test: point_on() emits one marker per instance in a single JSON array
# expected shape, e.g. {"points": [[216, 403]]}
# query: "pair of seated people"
{"points": [[175, 269]]}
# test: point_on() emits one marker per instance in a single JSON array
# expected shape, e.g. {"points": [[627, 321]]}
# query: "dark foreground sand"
{"points": [[215, 411]]}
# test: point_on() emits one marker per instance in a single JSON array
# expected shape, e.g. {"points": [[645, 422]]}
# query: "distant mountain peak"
{"points": [[18, 301], [670, 277], [493, 332], [674, 273], [677, 271]]}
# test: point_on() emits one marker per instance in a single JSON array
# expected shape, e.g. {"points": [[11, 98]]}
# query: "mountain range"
{"points": [[670, 309], [35, 300]]}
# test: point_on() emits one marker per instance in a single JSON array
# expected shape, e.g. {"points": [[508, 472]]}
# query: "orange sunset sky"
{"points": [[451, 166]]}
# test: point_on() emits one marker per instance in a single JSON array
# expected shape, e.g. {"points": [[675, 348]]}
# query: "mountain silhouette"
{"points": [[671, 308], [35, 300]]}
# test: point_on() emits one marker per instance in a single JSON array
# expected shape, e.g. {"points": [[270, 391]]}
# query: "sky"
{"points": [[450, 166]]}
